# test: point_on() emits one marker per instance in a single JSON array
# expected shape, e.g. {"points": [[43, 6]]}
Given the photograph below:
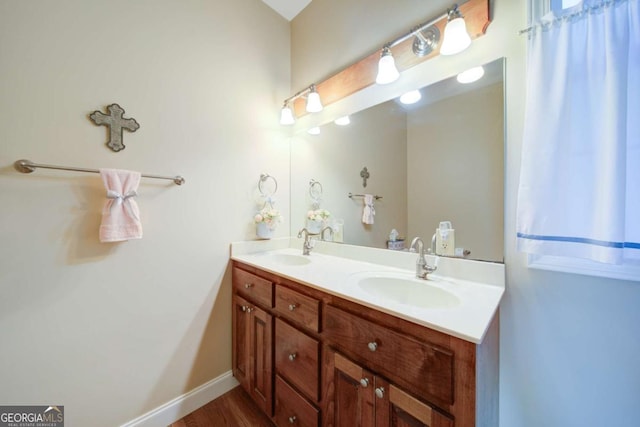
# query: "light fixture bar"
{"points": [[416, 30], [303, 92], [353, 78]]}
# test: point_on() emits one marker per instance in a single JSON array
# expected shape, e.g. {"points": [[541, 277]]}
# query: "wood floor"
{"points": [[233, 409]]}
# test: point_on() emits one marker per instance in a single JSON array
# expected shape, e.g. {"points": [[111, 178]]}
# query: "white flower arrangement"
{"points": [[318, 215], [269, 216]]}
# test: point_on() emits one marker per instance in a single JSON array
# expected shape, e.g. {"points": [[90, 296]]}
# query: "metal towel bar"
{"points": [[27, 166]]}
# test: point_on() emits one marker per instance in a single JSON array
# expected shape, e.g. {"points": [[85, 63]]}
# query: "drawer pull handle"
{"points": [[292, 419], [293, 356], [380, 392], [364, 382], [292, 307], [248, 285], [373, 346]]}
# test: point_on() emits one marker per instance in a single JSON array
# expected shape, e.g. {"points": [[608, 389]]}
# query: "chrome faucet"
{"points": [[307, 245], [422, 268], [330, 232]]}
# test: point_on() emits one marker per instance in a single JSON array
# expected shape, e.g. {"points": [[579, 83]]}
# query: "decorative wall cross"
{"points": [[116, 123], [364, 173]]}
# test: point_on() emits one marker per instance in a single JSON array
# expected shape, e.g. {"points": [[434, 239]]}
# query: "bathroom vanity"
{"points": [[318, 342]]}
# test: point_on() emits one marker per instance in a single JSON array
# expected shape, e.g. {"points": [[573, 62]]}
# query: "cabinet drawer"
{"points": [[414, 364], [293, 409], [298, 308], [253, 287], [296, 356]]}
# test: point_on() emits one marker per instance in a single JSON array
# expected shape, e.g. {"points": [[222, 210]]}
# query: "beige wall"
{"points": [[376, 138], [569, 346], [455, 152], [114, 330]]}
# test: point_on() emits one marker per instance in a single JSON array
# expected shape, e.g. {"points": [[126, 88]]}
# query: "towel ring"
{"points": [[263, 178]]}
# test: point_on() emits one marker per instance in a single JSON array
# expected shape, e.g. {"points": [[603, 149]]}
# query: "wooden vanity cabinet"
{"points": [[309, 358]]}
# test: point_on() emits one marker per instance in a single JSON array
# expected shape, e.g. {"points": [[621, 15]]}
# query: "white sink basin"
{"points": [[288, 259], [408, 291]]}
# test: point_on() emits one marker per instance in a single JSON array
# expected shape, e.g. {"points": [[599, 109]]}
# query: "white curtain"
{"points": [[579, 193]]}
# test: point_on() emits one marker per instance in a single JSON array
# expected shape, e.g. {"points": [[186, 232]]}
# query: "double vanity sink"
{"points": [[453, 305], [348, 334]]}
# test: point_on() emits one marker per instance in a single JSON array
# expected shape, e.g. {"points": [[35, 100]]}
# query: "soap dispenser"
{"points": [[445, 239]]}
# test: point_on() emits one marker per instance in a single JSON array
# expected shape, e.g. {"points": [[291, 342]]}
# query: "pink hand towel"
{"points": [[120, 215], [368, 211]]}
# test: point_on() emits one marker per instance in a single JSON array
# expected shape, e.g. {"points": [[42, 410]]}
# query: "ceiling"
{"points": [[287, 8]]}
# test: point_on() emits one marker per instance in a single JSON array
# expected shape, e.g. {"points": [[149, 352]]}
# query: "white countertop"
{"points": [[468, 319]]}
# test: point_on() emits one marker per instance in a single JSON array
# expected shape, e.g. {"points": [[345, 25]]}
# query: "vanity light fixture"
{"points": [[411, 97], [471, 75], [314, 104], [427, 39], [342, 121], [456, 37], [314, 131], [387, 71], [286, 115]]}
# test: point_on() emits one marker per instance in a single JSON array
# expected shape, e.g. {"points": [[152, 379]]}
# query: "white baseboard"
{"points": [[177, 408]]}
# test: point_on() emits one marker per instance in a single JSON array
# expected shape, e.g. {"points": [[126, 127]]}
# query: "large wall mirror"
{"points": [[439, 159]]}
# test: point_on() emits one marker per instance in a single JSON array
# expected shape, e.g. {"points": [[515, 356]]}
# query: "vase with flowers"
{"points": [[317, 219], [267, 221]]}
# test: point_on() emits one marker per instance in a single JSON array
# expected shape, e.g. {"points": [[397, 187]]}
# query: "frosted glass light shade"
{"points": [[314, 131], [471, 75], [286, 116], [387, 71], [314, 104], [411, 97], [456, 37]]}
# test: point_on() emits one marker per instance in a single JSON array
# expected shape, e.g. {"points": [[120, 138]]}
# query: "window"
{"points": [[578, 201]]}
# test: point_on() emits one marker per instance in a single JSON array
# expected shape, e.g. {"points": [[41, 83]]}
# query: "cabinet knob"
{"points": [[292, 307], [244, 308], [373, 346], [249, 309], [248, 285], [380, 392], [292, 419], [293, 356], [364, 382]]}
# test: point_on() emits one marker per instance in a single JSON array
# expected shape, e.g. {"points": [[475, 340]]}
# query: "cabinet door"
{"points": [[241, 341], [395, 408], [353, 394], [260, 359], [252, 354]]}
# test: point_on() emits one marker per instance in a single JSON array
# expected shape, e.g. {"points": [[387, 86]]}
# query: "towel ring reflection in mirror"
{"points": [[315, 192]]}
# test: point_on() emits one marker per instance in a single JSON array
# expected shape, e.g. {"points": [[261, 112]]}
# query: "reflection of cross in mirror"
{"points": [[116, 123], [364, 173]]}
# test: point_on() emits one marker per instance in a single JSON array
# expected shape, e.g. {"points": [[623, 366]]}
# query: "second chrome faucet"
{"points": [[422, 267]]}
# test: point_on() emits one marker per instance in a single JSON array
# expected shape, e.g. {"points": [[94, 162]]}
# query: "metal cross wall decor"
{"points": [[116, 124], [364, 174]]}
